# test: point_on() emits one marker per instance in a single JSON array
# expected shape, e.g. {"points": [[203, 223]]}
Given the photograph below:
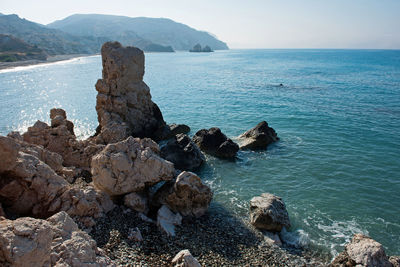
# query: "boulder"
{"points": [[258, 137], [56, 241], [137, 202], [214, 142], [130, 166], [179, 129], [395, 261], [124, 106], [32, 188], [167, 220], [183, 152], [60, 138], [362, 251], [268, 212], [8, 153], [185, 259], [187, 195]]}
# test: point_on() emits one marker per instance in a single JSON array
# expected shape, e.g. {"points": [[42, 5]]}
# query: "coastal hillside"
{"points": [[13, 49], [161, 31], [52, 41]]}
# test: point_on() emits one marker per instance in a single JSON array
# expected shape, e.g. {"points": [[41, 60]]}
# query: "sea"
{"points": [[337, 113]]}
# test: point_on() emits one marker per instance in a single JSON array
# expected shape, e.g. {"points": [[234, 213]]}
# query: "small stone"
{"points": [[185, 259], [135, 235]]}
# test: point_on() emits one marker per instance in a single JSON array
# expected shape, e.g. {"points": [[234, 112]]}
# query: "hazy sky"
{"points": [[251, 23]]}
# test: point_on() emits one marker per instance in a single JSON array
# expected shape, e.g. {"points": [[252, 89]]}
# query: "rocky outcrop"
{"points": [[124, 105], [60, 138], [214, 142], [268, 212], [137, 201], [362, 251], [185, 259], [187, 195], [31, 187], [183, 152], [395, 261], [130, 166], [56, 241], [167, 220], [258, 137]]}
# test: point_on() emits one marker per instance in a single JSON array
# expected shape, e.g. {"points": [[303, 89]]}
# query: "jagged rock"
{"points": [[2, 211], [362, 251], [8, 153], [183, 152], [60, 138], [137, 202], [185, 259], [187, 195], [167, 220], [31, 187], [214, 142], [124, 105], [135, 235], [395, 261], [56, 241], [84, 204], [179, 129], [268, 212], [129, 166], [258, 137]]}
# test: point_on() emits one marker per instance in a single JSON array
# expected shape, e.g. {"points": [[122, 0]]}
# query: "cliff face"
{"points": [[124, 104]]}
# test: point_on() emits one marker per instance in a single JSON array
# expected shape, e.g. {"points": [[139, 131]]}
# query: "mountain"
{"points": [[52, 41], [129, 30], [14, 49]]}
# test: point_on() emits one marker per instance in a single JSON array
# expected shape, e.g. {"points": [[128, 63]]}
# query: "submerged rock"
{"points": [[167, 220], [56, 241], [130, 166], [124, 106], [258, 137], [268, 212], [188, 195], [214, 142], [183, 152], [362, 251], [185, 259]]}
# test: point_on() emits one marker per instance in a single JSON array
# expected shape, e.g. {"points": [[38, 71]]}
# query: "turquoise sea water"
{"points": [[337, 165]]}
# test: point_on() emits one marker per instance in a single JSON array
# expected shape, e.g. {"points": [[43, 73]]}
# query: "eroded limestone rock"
{"points": [[129, 166], [268, 212], [362, 251], [137, 201], [56, 241], [187, 195], [185, 259], [124, 106]]}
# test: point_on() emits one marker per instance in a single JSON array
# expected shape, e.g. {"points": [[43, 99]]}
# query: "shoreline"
{"points": [[34, 62]]}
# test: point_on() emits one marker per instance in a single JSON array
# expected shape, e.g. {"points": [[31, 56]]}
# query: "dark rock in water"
{"points": [[183, 152], [362, 251], [196, 48], [215, 143], [179, 128], [268, 212], [169, 131], [207, 49], [258, 137]]}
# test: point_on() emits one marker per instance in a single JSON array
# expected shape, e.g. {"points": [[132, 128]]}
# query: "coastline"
{"points": [[50, 59]]}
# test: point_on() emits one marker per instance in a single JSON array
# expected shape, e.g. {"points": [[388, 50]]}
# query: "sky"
{"points": [[248, 24]]}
